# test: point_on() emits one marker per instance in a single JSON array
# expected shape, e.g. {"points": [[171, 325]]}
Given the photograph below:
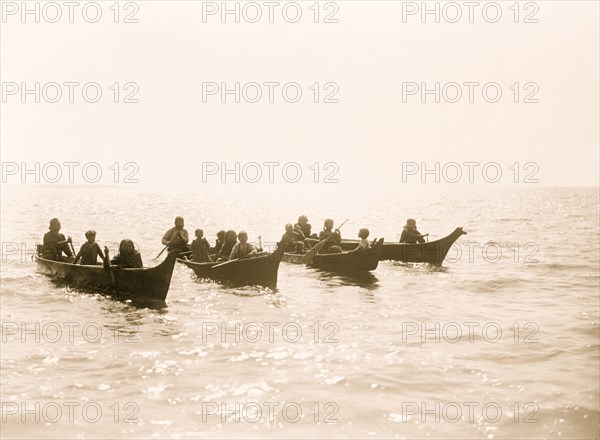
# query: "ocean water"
{"points": [[501, 342]]}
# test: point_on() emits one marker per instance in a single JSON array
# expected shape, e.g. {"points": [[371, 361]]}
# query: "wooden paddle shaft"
{"points": [[168, 244], [224, 263], [161, 252]]}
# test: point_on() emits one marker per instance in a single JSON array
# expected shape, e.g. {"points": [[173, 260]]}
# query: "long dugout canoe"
{"points": [[433, 252], [141, 284], [344, 262], [261, 270]]}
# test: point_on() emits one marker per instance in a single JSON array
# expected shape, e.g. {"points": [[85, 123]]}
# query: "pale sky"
{"points": [[369, 56]]}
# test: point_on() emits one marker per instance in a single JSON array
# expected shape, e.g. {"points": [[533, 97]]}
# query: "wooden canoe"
{"points": [[433, 252], [345, 262], [260, 271], [143, 284]]}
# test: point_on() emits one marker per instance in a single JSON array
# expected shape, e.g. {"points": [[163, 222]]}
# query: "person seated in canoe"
{"points": [[294, 237], [200, 248], [333, 245], [176, 238], [90, 250], [243, 249], [227, 247], [55, 243], [410, 234], [363, 234], [128, 257], [305, 227], [219, 242]]}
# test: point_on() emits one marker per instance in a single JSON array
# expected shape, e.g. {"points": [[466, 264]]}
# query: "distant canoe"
{"points": [[261, 270], [142, 284], [347, 262], [433, 252]]}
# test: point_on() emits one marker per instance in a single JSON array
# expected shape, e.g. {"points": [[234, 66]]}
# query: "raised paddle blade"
{"points": [[73, 249], [225, 263]]}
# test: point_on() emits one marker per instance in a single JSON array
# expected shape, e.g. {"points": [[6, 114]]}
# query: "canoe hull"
{"points": [[144, 284], [433, 252], [260, 271], [347, 262]]}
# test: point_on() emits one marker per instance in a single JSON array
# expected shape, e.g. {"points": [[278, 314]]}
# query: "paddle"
{"points": [[236, 259], [106, 266], [168, 244], [106, 260], [225, 263], [161, 252], [72, 247], [310, 254], [340, 226]]}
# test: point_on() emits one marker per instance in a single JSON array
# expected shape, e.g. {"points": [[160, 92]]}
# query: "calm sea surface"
{"points": [[496, 344]]}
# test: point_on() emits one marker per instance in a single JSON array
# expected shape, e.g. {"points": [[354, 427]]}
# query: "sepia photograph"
{"points": [[311, 219]]}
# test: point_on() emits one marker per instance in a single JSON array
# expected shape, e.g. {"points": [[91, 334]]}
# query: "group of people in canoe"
{"points": [[55, 244], [297, 238], [226, 247]]}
